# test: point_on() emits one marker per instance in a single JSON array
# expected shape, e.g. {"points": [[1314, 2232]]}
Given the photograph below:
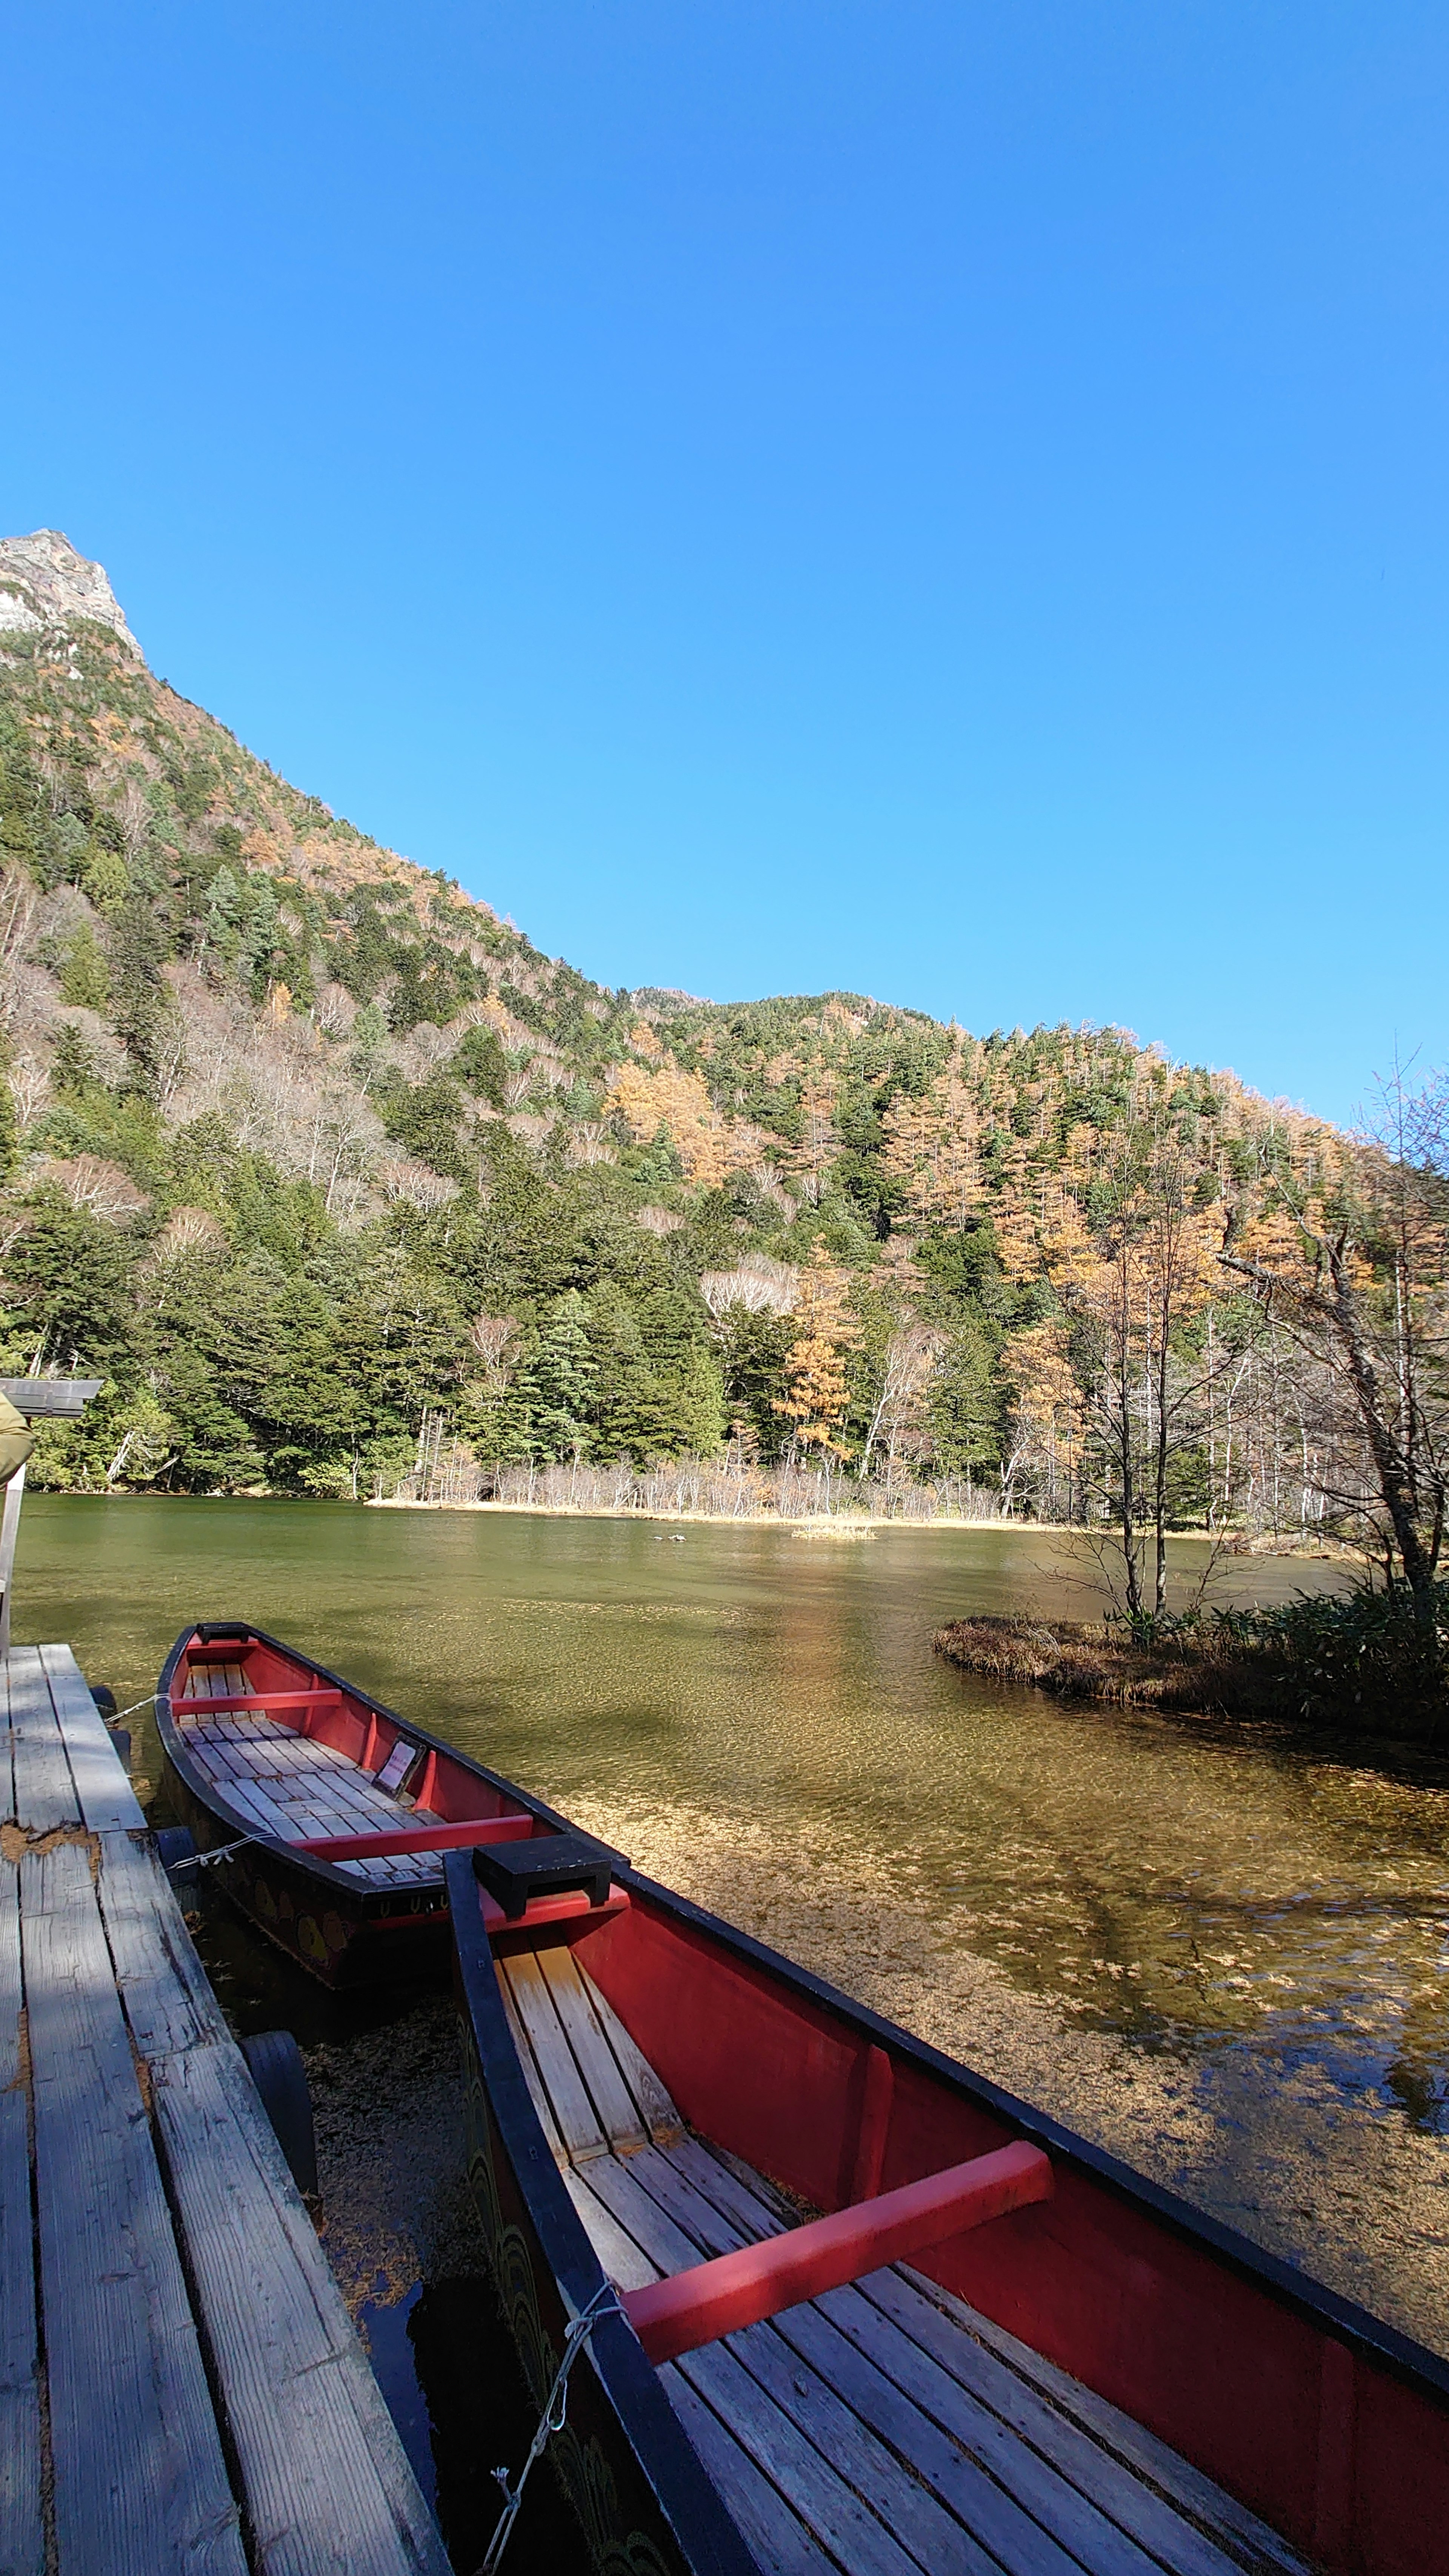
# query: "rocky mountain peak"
{"points": [[45, 582]]}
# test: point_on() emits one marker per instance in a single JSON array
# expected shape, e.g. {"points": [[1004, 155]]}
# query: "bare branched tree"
{"points": [[29, 1088], [496, 1339], [900, 1420], [18, 900], [133, 813], [757, 1283], [1351, 1258], [418, 1185]]}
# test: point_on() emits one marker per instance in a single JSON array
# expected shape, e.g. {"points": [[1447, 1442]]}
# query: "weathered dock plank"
{"points": [[327, 2485], [106, 1799], [7, 1751], [44, 1791], [168, 2001], [140, 2478], [191, 2392], [22, 2538], [328, 2491]]}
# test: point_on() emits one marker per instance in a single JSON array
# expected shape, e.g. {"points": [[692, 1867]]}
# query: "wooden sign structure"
{"points": [[40, 1399]]}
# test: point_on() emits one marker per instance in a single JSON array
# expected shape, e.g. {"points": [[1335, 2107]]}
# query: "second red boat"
{"points": [[335, 1813]]}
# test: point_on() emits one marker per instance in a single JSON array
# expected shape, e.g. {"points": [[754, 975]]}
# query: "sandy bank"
{"points": [[843, 1524]]}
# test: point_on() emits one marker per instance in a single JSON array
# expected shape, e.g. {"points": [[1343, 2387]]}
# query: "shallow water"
{"points": [[1217, 1949], [1180, 1881]]}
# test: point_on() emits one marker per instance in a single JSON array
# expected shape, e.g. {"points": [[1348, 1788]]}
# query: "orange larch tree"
{"points": [[817, 1391]]}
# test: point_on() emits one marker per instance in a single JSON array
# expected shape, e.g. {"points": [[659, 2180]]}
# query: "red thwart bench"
{"points": [[717, 2298]]}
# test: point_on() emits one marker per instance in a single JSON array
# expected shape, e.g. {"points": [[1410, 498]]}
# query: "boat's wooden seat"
{"points": [[293, 1785], [216, 1681], [884, 2429]]}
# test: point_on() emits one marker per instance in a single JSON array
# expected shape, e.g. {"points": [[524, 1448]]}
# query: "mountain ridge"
{"points": [[46, 581], [259, 1064]]}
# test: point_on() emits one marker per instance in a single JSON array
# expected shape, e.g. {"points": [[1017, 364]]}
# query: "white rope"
{"points": [[208, 1859], [550, 2422], [131, 1711]]}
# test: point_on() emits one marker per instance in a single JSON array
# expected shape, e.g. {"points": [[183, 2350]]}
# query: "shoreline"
{"points": [[1093, 1664], [1309, 1663], [840, 1524], [844, 1524]]}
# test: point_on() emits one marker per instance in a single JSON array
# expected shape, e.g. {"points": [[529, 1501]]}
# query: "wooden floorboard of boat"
{"points": [[594, 2092], [715, 2208], [257, 1808], [829, 2502], [617, 2112], [299, 1790], [899, 2321], [575, 2116], [864, 2507], [1032, 2524], [537, 2095], [215, 1681], [885, 2427], [1149, 2461], [656, 2111], [1175, 2513], [774, 2531]]}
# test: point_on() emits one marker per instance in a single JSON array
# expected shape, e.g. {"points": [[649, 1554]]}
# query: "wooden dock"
{"points": [[181, 2387]]}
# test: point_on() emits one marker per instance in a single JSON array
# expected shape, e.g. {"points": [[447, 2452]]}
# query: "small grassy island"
{"points": [[1358, 1659]]}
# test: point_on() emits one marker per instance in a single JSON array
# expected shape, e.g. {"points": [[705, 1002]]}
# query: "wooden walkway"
{"points": [[886, 2429], [181, 2387]]}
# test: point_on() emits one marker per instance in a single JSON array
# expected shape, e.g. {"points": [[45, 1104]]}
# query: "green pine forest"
{"points": [[301, 1144]]}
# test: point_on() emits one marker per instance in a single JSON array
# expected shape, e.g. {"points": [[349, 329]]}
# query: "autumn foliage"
{"points": [[303, 1149]]}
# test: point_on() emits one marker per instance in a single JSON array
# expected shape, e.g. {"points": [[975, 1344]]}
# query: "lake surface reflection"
{"points": [[1218, 1949], [1169, 1878]]}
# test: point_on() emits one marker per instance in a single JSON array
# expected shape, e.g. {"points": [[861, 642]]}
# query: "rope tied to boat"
{"points": [[550, 2422], [208, 1859], [136, 1706]]}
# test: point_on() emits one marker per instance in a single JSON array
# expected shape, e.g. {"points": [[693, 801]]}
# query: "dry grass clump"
{"points": [[1094, 1660]]}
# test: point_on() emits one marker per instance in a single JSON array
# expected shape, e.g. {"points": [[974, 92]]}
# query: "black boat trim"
{"points": [[705, 2532], [324, 1872]]}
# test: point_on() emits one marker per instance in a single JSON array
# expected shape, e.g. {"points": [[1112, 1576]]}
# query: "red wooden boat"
{"points": [[848, 2306], [335, 1812]]}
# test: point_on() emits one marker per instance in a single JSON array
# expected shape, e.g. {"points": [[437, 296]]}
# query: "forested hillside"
{"points": [[301, 1143]]}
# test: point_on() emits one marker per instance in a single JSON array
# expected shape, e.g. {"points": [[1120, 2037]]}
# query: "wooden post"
{"points": [[9, 1531]]}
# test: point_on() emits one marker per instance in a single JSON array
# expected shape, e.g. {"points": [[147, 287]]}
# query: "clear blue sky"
{"points": [[943, 500]]}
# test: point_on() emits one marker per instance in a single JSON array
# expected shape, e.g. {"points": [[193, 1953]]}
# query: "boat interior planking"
{"points": [[1103, 2383], [334, 1811]]}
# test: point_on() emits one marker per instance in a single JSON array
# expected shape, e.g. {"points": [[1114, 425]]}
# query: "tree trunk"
{"points": [[1417, 1561], [1123, 1431], [1159, 1494]]}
